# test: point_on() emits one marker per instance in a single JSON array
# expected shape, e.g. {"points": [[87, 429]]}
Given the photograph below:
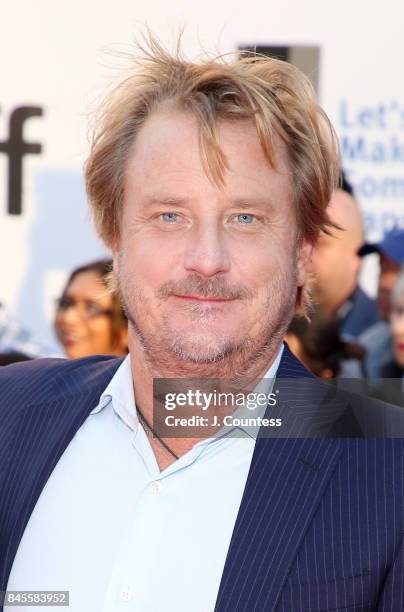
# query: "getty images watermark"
{"points": [[297, 407], [204, 408], [195, 398]]}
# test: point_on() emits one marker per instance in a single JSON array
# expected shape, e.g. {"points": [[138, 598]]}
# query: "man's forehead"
{"points": [[169, 131], [166, 168]]}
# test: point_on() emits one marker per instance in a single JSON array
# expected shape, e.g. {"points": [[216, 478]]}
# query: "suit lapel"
{"points": [[286, 481]]}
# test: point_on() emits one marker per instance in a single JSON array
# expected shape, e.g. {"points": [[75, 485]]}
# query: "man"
{"points": [[377, 338], [335, 267], [210, 183]]}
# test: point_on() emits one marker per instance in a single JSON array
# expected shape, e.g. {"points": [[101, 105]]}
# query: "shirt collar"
{"points": [[121, 393], [271, 373]]}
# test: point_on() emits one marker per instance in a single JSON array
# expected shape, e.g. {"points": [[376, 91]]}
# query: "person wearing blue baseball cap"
{"points": [[391, 252], [377, 339]]}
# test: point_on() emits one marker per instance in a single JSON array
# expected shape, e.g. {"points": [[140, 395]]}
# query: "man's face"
{"points": [[208, 274], [389, 271]]}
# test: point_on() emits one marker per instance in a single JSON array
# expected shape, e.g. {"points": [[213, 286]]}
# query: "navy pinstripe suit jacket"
{"points": [[320, 525]]}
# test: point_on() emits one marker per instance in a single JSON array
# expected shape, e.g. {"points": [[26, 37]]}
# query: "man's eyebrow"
{"points": [[240, 203], [164, 200], [249, 203]]}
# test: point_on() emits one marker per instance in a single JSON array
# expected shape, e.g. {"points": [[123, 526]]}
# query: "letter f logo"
{"points": [[16, 148]]}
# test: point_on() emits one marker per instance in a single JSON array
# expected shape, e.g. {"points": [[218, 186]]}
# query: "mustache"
{"points": [[216, 287]]}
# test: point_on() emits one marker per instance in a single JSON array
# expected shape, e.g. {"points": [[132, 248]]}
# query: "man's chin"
{"points": [[202, 351]]}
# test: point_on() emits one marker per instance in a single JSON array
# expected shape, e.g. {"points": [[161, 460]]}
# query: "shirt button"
{"points": [[125, 594], [155, 486]]}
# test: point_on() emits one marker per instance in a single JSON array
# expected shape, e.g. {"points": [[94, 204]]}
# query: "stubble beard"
{"points": [[169, 354]]}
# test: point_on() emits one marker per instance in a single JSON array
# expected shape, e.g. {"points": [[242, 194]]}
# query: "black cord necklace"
{"points": [[151, 430]]}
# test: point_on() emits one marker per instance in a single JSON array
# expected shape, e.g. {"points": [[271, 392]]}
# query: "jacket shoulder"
{"points": [[32, 382]]}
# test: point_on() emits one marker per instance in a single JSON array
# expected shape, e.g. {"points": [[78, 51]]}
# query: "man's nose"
{"points": [[206, 252]]}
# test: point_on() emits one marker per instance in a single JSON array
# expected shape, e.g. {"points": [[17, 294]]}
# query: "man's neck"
{"points": [[144, 371]]}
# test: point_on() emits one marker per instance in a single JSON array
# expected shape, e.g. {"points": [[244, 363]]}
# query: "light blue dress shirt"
{"points": [[117, 533]]}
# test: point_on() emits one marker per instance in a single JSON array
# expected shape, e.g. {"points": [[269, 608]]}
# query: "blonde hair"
{"points": [[272, 94]]}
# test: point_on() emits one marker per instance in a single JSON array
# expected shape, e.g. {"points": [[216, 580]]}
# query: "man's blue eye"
{"points": [[245, 218], [169, 217]]}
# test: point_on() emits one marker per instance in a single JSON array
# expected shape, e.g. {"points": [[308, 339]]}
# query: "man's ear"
{"points": [[305, 250]]}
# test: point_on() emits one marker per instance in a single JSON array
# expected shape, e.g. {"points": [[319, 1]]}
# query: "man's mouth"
{"points": [[204, 298]]}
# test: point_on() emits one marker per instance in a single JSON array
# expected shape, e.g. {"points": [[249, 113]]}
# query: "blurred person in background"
{"points": [[335, 266], [89, 318], [389, 387], [391, 255], [318, 344], [396, 367], [377, 339]]}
